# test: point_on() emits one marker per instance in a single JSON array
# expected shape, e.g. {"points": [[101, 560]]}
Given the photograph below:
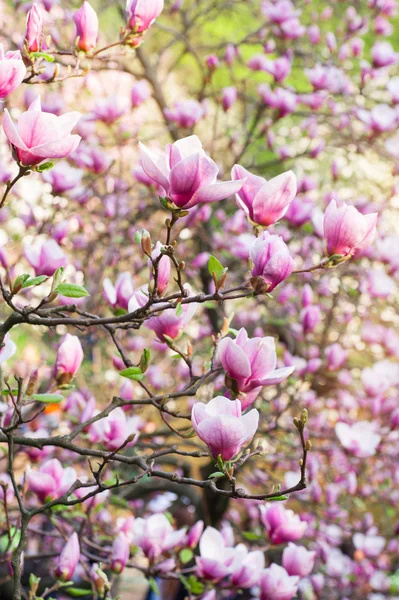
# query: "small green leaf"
{"points": [[278, 499], [7, 392], [57, 277], [186, 555], [179, 309], [216, 475], [134, 373], [154, 586], [33, 579], [46, 166], [137, 237], [71, 290], [192, 584], [251, 536], [215, 267], [21, 279], [48, 398], [78, 592], [34, 281], [145, 360], [45, 55]]}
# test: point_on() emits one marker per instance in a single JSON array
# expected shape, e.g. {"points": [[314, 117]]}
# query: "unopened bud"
{"points": [[146, 242], [30, 388], [304, 416], [308, 445], [182, 265]]}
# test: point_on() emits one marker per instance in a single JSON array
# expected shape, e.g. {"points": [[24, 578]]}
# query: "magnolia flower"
{"points": [[155, 535], [8, 350], [34, 24], [46, 259], [346, 229], [39, 135], [51, 480], [118, 295], [222, 427], [297, 560], [216, 558], [246, 567], [359, 439], [69, 358], [282, 525], [142, 13], [185, 113], [271, 260], [276, 584], [187, 174], [12, 71], [69, 559], [114, 430], [251, 364], [86, 22], [120, 553]]}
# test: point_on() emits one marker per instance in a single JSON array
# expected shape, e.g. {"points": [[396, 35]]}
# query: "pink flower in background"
{"points": [[34, 24], [69, 559], [187, 174], [282, 525], [229, 97], [264, 202], [164, 268], [51, 480], [39, 135], [169, 323], [47, 258], [86, 22], [142, 13], [346, 229], [279, 68], [141, 91], [12, 71], [120, 553], [280, 11], [359, 439], [69, 358], [276, 584], [155, 535], [118, 295], [222, 427], [251, 363], [115, 429], [335, 356], [246, 567], [380, 118], [297, 560], [63, 177], [185, 113], [271, 260], [216, 558], [8, 350], [383, 55]]}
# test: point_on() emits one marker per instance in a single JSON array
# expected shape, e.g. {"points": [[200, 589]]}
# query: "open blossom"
{"points": [[276, 584], [63, 177], [359, 439], [346, 229], [142, 13], [69, 558], [141, 91], [216, 558], [282, 525], [46, 259], [69, 358], [222, 427], [169, 324], [246, 567], [187, 174], [155, 535], [383, 55], [51, 480], [271, 260], [280, 11], [12, 71], [264, 202], [251, 364], [118, 295], [297, 560], [120, 553], [282, 100], [86, 22], [8, 350], [34, 24], [39, 135], [185, 113], [371, 545], [115, 429]]}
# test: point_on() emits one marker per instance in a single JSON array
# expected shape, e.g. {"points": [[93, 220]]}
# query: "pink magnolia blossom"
{"points": [[383, 55], [155, 535], [12, 71], [276, 584], [222, 427], [372, 545], [264, 202], [297, 560], [63, 177], [164, 268], [380, 118], [51, 480], [86, 23], [279, 68], [335, 356], [8, 350], [69, 358], [251, 363], [120, 553], [40, 135], [310, 318], [229, 97], [114, 430], [359, 439], [282, 100], [216, 558], [142, 13], [141, 91], [34, 24], [282, 525], [187, 174], [118, 295], [69, 559], [47, 258], [346, 229], [194, 534], [185, 113], [246, 567], [280, 11], [271, 260]]}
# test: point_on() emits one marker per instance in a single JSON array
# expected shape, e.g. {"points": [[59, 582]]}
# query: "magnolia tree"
{"points": [[199, 346]]}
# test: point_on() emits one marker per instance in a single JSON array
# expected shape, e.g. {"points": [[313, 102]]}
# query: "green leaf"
{"points": [[215, 267], [216, 475], [186, 555], [278, 499], [134, 373], [145, 360], [78, 592], [192, 584], [34, 281], [71, 290], [33, 579], [45, 55], [154, 586], [179, 309], [57, 277], [48, 398], [7, 393], [252, 537], [46, 166], [21, 279]]}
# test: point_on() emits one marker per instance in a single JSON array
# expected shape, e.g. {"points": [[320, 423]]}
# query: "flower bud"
{"points": [[86, 22], [69, 559], [34, 26]]}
